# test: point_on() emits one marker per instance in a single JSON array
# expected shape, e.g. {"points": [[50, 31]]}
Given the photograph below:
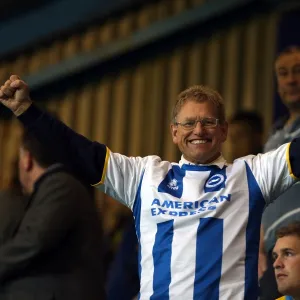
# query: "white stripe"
{"points": [[183, 259], [232, 284], [193, 185], [281, 219]]}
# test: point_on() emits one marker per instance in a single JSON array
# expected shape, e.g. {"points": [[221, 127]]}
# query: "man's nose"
{"points": [[278, 264], [291, 78], [199, 128]]}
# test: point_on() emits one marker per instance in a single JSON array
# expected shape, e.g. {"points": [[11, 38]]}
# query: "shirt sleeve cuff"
{"points": [[30, 116], [294, 158]]}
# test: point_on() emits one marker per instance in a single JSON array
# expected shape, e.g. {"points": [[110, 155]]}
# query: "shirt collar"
{"points": [[280, 124], [294, 126], [219, 162]]}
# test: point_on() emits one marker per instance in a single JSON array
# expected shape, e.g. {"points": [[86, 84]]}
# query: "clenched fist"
{"points": [[14, 94]]}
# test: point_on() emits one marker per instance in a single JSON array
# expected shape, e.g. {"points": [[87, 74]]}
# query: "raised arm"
{"points": [[82, 156]]}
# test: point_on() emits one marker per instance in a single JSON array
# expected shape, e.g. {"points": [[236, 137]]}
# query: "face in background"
{"points": [[199, 145], [286, 254], [243, 140], [287, 69], [25, 164]]}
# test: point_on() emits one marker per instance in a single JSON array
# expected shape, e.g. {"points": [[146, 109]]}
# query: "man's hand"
{"points": [[14, 94]]}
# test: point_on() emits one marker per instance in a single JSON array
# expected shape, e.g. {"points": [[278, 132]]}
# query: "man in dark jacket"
{"points": [[11, 212], [56, 251], [12, 208]]}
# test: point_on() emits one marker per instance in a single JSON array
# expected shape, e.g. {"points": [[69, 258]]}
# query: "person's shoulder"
{"points": [[58, 175], [157, 161], [279, 123], [12, 206], [243, 159], [135, 160], [285, 298], [61, 179], [4, 194], [62, 184], [10, 196], [67, 178], [150, 160]]}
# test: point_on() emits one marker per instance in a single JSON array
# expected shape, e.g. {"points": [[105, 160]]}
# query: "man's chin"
{"points": [[283, 289], [293, 103]]}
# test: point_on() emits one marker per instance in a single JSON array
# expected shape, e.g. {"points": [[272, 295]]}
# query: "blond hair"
{"points": [[200, 94]]}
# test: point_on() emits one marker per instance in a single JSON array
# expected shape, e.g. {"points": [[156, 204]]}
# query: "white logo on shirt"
{"points": [[173, 185], [215, 180]]}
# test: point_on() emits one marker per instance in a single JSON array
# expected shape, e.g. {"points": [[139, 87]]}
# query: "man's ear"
{"points": [[174, 132], [27, 160]]}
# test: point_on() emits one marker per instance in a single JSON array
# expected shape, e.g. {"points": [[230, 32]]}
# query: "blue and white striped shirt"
{"points": [[197, 225]]}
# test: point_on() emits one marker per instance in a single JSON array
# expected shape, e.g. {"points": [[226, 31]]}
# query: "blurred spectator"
{"points": [[286, 208], [12, 207], [121, 252], [123, 278], [246, 127], [56, 251], [286, 255], [115, 221]]}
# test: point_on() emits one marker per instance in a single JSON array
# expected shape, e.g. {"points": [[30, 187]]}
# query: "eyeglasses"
{"points": [[205, 122]]}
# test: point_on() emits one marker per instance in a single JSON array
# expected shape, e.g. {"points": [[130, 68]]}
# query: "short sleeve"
{"points": [[122, 176], [273, 172]]}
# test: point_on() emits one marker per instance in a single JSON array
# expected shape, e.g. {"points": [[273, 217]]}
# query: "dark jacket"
{"points": [[56, 251], [12, 206]]}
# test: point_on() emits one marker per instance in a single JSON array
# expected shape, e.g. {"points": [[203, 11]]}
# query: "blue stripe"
{"points": [[137, 218], [209, 249], [173, 182], [162, 252], [256, 206]]}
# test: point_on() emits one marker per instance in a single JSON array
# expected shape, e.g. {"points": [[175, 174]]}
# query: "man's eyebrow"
{"points": [[189, 118], [285, 249], [281, 68], [282, 250]]}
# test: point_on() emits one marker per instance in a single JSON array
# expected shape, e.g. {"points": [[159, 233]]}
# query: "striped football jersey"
{"points": [[197, 225]]}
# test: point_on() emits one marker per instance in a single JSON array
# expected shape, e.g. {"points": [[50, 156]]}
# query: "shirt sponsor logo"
{"points": [[180, 208]]}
